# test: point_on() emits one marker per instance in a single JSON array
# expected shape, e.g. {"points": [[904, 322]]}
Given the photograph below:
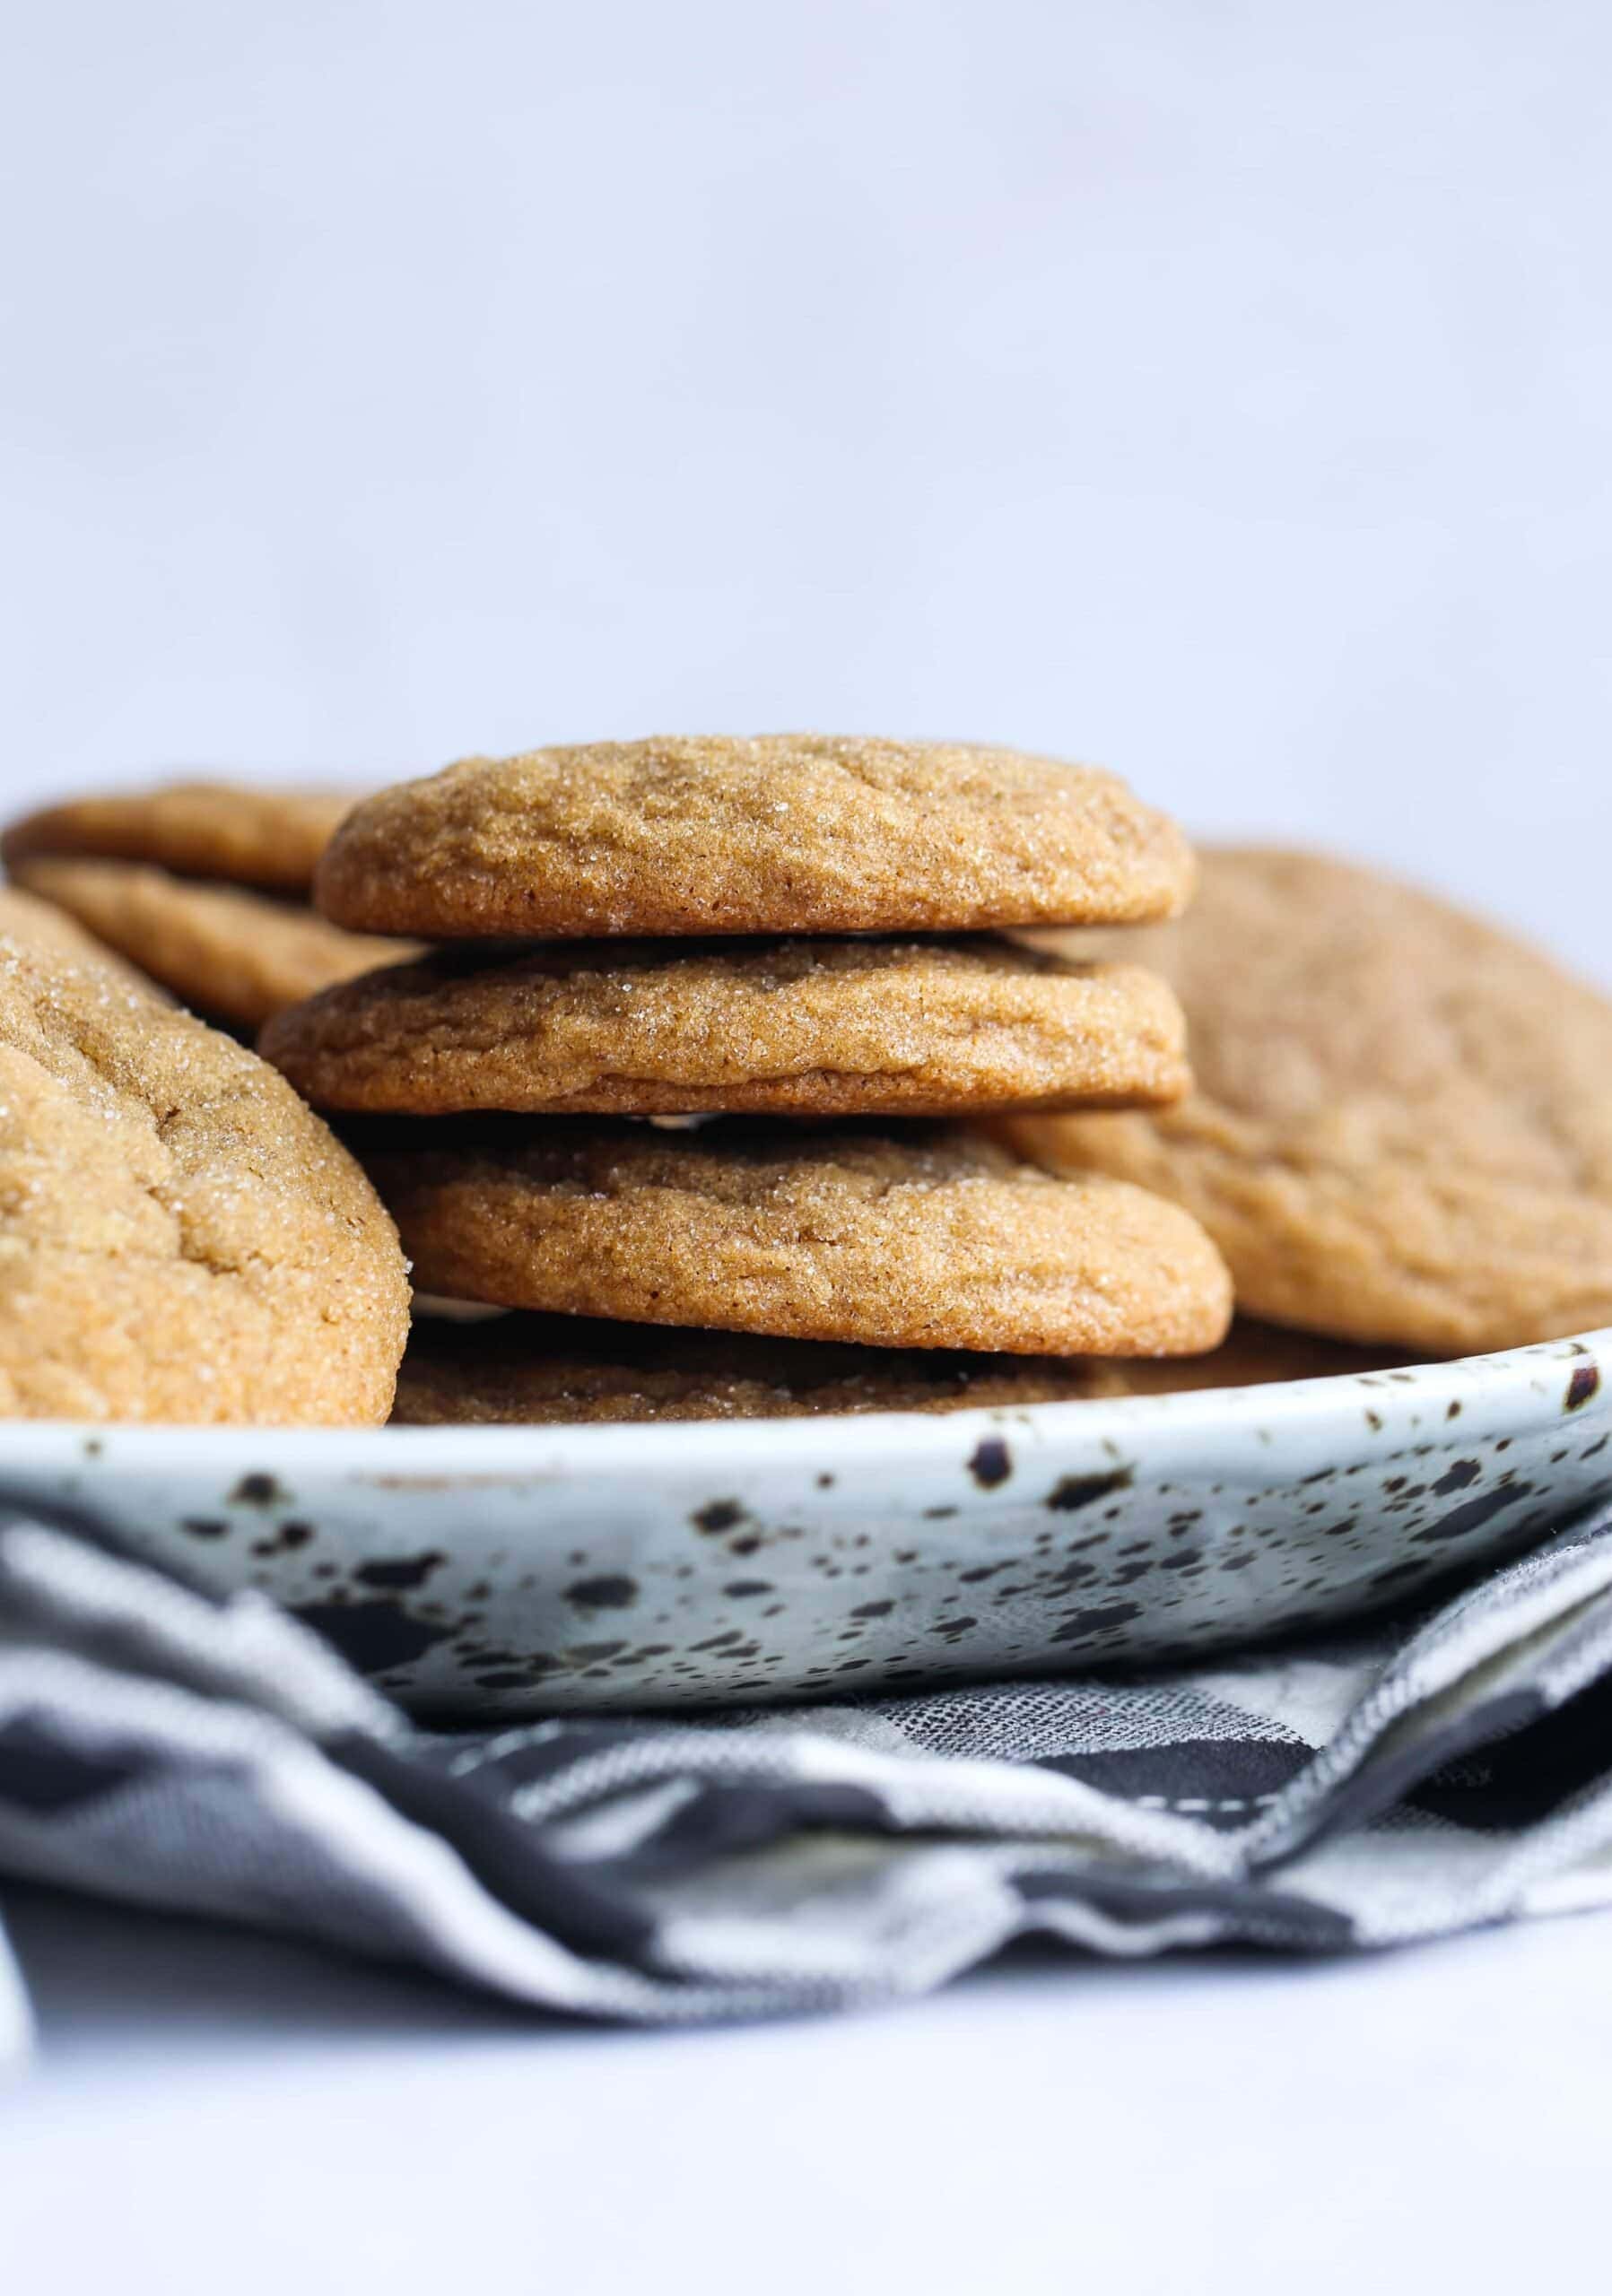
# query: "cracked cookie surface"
{"points": [[776, 834], [180, 1238], [925, 1236], [1401, 1129], [806, 1028]]}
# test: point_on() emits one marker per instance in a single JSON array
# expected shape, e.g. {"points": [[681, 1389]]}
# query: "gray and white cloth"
{"points": [[1405, 1781]]}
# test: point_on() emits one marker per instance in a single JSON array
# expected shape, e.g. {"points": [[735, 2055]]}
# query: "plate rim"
{"points": [[790, 1440]]}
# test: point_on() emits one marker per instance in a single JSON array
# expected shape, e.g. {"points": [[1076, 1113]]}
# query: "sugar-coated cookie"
{"points": [[180, 1238], [526, 1369], [922, 1236], [227, 951], [780, 833], [243, 834], [801, 1028], [1402, 1125]]}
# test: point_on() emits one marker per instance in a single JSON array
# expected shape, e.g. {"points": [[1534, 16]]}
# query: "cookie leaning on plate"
{"points": [[234, 954], [915, 1237], [1402, 1125], [779, 834], [267, 837], [180, 1238], [799, 1027], [533, 1370]]}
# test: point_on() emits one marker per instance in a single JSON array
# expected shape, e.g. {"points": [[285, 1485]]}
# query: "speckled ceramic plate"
{"points": [[507, 1569]]}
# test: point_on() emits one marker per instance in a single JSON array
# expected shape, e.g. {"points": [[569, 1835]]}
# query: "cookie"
{"points": [[1402, 1125], [264, 837], [797, 1028], [531, 1369], [49, 930], [235, 955], [1252, 1355], [925, 1237], [180, 1238], [784, 833]]}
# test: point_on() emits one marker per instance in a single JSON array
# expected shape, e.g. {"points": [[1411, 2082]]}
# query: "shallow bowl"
{"points": [[504, 1570]]}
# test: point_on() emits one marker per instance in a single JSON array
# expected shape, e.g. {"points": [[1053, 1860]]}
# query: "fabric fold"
{"points": [[1407, 1780]]}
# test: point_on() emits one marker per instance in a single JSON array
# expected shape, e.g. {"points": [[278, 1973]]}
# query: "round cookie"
{"points": [[795, 1028], [49, 930], [532, 1370], [926, 1237], [180, 1238], [248, 836], [782, 834], [235, 955], [1402, 1125], [1252, 1355], [559, 1370]]}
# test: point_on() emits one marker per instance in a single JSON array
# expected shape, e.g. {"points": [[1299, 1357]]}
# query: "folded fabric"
{"points": [[216, 1757]]}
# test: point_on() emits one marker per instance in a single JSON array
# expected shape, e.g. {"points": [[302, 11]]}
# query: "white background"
{"points": [[1220, 390], [222, 2117]]}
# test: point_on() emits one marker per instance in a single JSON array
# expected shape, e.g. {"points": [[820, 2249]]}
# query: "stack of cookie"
{"points": [[795, 936], [204, 885]]}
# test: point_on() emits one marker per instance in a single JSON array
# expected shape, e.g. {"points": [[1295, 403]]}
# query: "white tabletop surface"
{"points": [[221, 2113], [1218, 392]]}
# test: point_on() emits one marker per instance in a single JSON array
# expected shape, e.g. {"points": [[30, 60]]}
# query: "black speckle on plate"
{"points": [[991, 1462], [1456, 1476], [400, 1572], [1075, 1490], [373, 1635], [609, 1591], [718, 1515], [1584, 1383], [257, 1490]]}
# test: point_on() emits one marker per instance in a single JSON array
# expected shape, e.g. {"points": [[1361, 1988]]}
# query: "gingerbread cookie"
{"points": [[780, 834], [801, 1028], [41, 926], [925, 1236], [246, 836], [180, 1238], [531, 1369], [235, 956], [1402, 1125]]}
